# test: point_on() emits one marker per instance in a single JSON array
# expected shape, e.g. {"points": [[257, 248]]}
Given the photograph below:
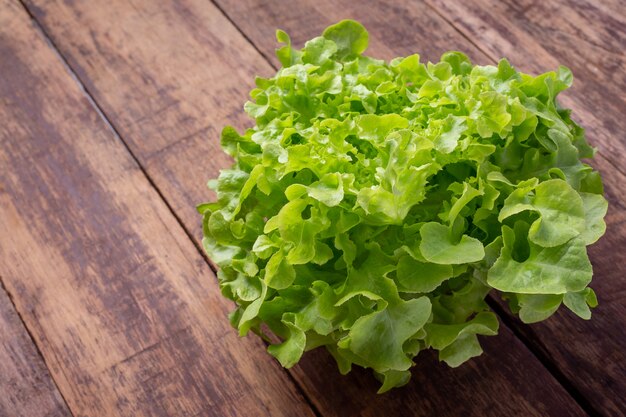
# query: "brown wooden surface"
{"points": [[168, 74], [505, 381], [25, 384], [77, 30], [123, 307]]}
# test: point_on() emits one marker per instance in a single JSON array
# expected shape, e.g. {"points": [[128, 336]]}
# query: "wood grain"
{"points": [[170, 74], [590, 354], [505, 381], [26, 387], [124, 309], [509, 380]]}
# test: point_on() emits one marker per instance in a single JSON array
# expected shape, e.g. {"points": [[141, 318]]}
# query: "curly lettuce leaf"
{"points": [[374, 205]]}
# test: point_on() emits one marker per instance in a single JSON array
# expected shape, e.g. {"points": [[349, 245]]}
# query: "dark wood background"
{"points": [[109, 119]]}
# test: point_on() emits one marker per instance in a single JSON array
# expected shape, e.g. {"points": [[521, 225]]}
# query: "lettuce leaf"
{"points": [[374, 205]]}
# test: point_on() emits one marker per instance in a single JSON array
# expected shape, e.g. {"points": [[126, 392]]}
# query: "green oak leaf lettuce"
{"points": [[374, 205]]}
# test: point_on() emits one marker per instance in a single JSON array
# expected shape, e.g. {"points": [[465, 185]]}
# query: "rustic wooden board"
{"points": [[506, 381], [26, 388], [125, 311], [395, 27], [591, 354], [170, 74]]}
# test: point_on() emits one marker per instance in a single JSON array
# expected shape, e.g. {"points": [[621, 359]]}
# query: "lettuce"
{"points": [[374, 205]]}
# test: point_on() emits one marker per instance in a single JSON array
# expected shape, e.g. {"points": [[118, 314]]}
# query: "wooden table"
{"points": [[109, 120]]}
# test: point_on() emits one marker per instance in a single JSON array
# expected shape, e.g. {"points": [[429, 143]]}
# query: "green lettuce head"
{"points": [[374, 205]]}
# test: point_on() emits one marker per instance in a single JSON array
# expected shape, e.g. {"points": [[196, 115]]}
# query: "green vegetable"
{"points": [[374, 205]]}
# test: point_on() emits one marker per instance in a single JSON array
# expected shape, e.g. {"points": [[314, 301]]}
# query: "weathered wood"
{"points": [[169, 73], [395, 27], [111, 48], [26, 388], [591, 354], [123, 307], [505, 381]]}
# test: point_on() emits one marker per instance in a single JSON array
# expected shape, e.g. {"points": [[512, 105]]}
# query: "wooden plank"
{"points": [[25, 382], [591, 354], [170, 75], [505, 381], [123, 307], [395, 27], [508, 380]]}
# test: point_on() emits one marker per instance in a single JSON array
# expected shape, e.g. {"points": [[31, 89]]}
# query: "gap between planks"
{"points": [[32, 340], [39, 27]]}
